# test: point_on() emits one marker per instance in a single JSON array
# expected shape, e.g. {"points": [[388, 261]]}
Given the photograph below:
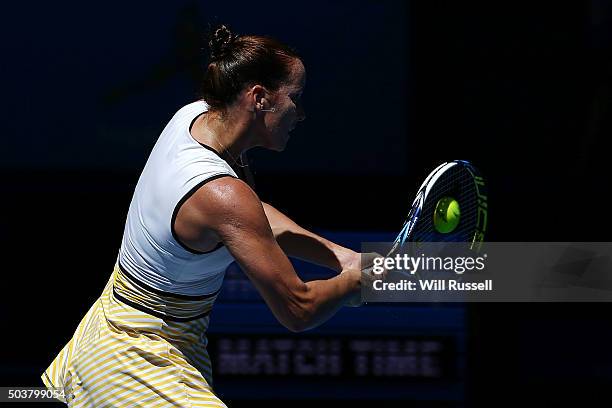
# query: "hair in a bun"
{"points": [[236, 61], [220, 42]]}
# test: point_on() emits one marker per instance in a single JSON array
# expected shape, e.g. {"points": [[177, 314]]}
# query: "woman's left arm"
{"points": [[300, 243]]}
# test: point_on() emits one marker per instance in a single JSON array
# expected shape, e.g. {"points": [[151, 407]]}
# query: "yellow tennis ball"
{"points": [[446, 215]]}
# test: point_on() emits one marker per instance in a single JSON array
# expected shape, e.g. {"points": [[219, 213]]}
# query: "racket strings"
{"points": [[456, 180], [457, 183]]}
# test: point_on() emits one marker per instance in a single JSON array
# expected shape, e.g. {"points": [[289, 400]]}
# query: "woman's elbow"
{"points": [[296, 327], [301, 316]]}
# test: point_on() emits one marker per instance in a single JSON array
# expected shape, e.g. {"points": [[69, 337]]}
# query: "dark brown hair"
{"points": [[237, 61]]}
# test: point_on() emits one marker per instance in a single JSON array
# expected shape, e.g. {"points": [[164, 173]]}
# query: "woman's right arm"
{"points": [[230, 210]]}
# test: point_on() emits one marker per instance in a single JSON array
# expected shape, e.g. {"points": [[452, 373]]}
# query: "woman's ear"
{"points": [[256, 95], [258, 100]]}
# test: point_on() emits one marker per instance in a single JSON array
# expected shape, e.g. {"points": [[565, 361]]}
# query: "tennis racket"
{"points": [[450, 206]]}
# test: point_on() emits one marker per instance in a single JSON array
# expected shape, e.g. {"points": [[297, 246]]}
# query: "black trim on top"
{"points": [[178, 206], [143, 285], [239, 170], [194, 119], [200, 143], [212, 150], [157, 314]]}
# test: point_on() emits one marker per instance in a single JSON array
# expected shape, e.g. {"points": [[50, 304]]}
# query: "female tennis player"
{"points": [[143, 342]]}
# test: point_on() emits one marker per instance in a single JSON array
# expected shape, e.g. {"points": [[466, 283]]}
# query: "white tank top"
{"points": [[150, 250]]}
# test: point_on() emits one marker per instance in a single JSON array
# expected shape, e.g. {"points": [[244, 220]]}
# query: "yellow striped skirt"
{"points": [[137, 347]]}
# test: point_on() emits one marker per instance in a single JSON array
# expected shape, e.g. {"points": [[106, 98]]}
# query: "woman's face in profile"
{"points": [[289, 110]]}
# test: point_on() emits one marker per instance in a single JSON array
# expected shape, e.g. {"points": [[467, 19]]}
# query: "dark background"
{"points": [[393, 89]]}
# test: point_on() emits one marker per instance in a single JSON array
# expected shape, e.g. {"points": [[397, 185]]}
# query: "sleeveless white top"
{"points": [[150, 250]]}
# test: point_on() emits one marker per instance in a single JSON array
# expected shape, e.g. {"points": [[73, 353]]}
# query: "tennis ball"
{"points": [[446, 215]]}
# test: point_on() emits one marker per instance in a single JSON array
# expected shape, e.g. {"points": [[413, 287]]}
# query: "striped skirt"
{"points": [[137, 347]]}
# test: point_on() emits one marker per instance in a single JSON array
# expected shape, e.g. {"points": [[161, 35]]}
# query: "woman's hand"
{"points": [[356, 260], [354, 299], [362, 262]]}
